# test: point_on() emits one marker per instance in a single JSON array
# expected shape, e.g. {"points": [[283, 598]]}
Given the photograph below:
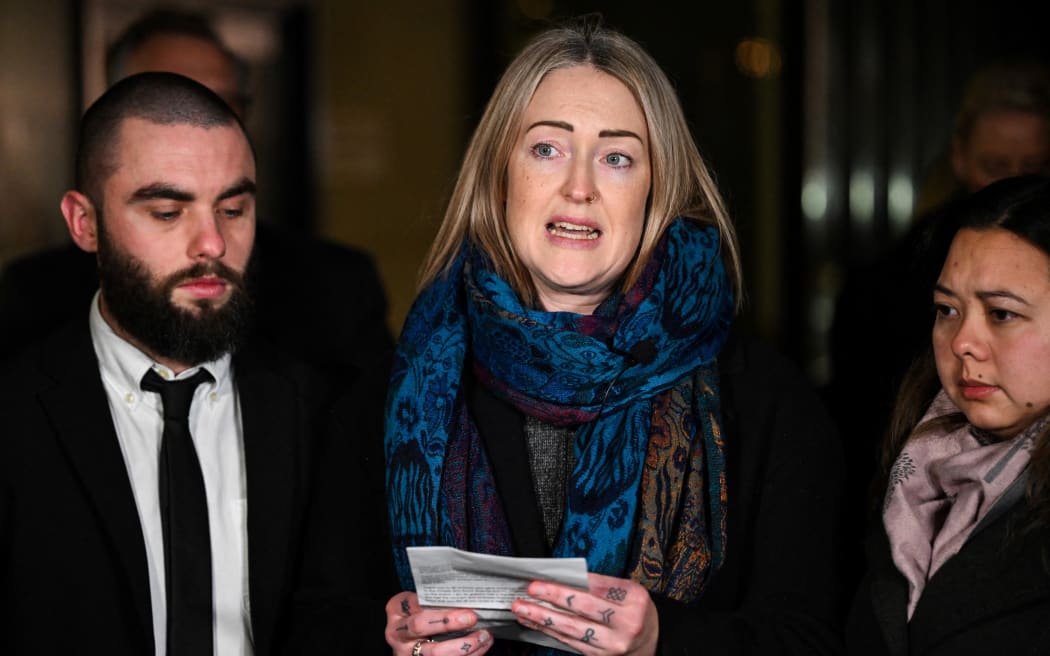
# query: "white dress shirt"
{"points": [[218, 436]]}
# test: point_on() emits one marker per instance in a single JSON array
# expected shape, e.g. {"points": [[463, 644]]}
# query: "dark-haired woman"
{"points": [[960, 562]]}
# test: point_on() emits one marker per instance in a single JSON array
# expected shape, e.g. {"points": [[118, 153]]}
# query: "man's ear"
{"points": [[81, 219]]}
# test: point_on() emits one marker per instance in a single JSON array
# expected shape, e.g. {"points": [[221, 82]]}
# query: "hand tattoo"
{"points": [[607, 615], [589, 637], [568, 600], [403, 627], [616, 594], [548, 622], [404, 607]]}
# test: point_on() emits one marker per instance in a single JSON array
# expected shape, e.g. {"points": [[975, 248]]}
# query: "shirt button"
{"points": [[129, 397], [214, 397]]}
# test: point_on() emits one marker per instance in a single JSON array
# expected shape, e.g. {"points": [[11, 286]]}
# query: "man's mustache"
{"points": [[202, 269]]}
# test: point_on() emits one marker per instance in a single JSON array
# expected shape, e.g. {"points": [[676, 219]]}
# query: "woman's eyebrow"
{"points": [[1001, 293], [562, 125], [554, 124]]}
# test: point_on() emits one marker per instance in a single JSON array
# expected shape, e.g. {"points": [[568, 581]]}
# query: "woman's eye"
{"points": [[618, 160], [1000, 316], [544, 150], [942, 310]]}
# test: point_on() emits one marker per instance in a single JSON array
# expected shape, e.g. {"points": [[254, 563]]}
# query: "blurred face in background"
{"points": [[1001, 145], [991, 337], [192, 57]]}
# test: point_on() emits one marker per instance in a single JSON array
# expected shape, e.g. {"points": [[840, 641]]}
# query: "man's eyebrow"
{"points": [[160, 191], [243, 186]]}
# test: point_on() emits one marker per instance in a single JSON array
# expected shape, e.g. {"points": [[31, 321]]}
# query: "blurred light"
{"points": [[862, 197], [758, 58], [815, 197], [536, 9], [901, 201]]}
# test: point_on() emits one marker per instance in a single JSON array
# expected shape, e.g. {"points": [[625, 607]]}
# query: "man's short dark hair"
{"points": [[160, 98]]}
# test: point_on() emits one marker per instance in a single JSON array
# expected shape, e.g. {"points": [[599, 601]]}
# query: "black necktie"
{"points": [[184, 518]]}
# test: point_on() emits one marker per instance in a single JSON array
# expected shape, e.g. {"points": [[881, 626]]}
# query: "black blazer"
{"points": [[778, 591], [993, 597], [73, 575]]}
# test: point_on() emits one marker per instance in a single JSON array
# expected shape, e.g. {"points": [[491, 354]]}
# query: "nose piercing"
{"points": [[592, 197]]}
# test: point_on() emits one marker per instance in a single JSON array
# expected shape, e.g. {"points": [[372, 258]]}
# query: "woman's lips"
{"points": [[976, 391], [573, 230]]}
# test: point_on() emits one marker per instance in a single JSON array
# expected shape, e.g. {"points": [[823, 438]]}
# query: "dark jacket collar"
{"points": [[996, 571]]}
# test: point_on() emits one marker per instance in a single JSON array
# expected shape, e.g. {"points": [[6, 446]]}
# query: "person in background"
{"points": [[1002, 129], [569, 383], [317, 300], [184, 43], [958, 561], [162, 480]]}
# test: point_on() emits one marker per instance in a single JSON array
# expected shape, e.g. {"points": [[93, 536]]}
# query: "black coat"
{"points": [[993, 597], [73, 574], [778, 591]]}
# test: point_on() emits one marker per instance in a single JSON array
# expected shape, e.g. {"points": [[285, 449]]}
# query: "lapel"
{"points": [[993, 574], [79, 411], [888, 592], [272, 427]]}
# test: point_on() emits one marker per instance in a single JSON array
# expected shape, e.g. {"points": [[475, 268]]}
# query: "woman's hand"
{"points": [[616, 616], [411, 629]]}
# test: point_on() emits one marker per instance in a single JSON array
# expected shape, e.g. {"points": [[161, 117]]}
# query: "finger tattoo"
{"points": [[548, 622], [465, 648], [616, 594], [403, 627], [568, 600], [607, 615], [589, 636], [404, 607], [443, 620]]}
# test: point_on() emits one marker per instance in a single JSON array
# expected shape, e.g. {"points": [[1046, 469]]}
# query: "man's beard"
{"points": [[146, 312]]}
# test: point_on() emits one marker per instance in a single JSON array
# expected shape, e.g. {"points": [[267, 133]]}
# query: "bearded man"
{"points": [[158, 478]]}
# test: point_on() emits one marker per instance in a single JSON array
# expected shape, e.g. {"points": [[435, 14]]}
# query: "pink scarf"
{"points": [[941, 486]]}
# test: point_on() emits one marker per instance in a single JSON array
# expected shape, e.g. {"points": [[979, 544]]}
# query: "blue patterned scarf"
{"points": [[656, 511]]}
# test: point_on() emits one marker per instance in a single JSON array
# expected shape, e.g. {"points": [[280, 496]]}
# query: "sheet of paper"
{"points": [[451, 578]]}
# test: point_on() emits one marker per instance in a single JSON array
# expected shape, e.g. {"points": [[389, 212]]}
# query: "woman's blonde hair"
{"points": [[681, 183]]}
